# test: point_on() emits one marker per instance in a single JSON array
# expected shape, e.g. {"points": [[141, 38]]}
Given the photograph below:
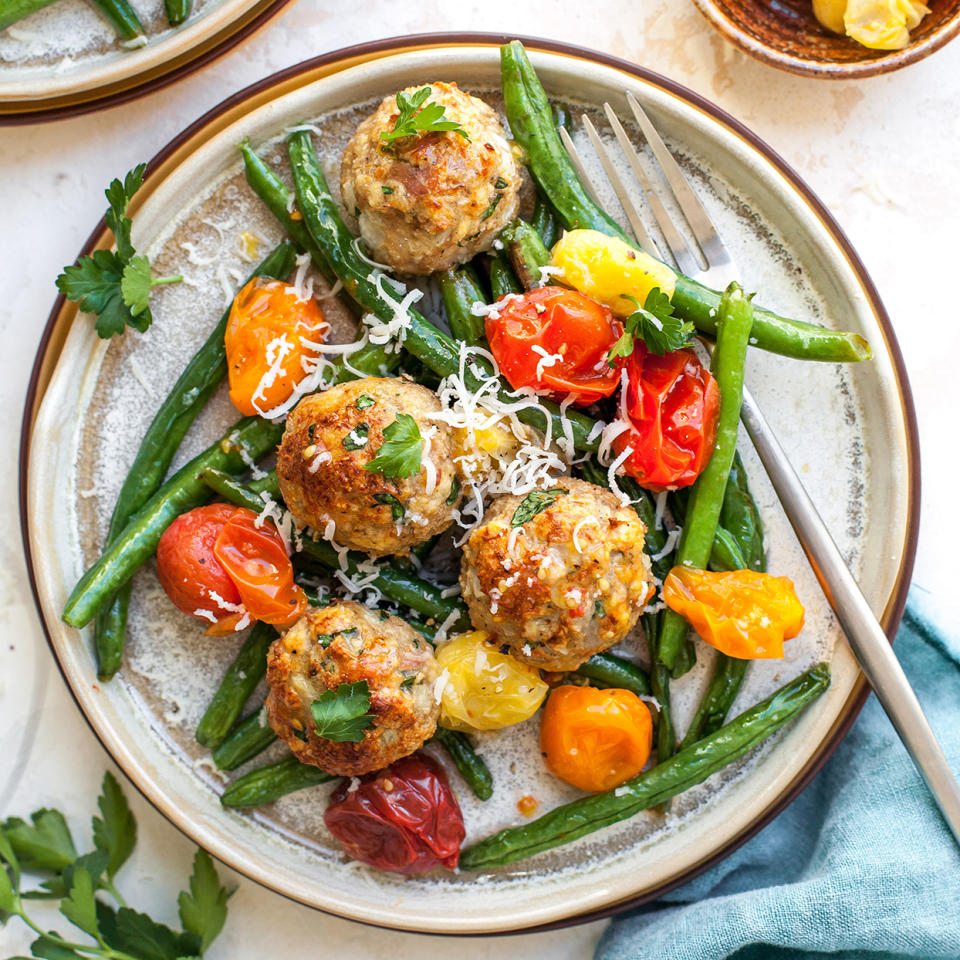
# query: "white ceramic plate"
{"points": [[849, 430], [66, 58]]}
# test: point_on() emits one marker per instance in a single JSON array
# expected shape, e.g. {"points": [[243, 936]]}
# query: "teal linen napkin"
{"points": [[860, 866]]}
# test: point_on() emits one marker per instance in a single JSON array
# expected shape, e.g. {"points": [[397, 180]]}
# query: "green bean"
{"points": [[123, 18], [687, 768], [502, 279], [14, 10], [609, 670], [706, 495], [440, 352], [467, 761], [461, 289], [741, 517], [719, 696], [725, 554], [533, 127], [241, 679], [660, 687], [526, 251], [271, 782], [248, 738], [160, 443], [177, 11], [242, 494], [544, 221], [244, 442]]}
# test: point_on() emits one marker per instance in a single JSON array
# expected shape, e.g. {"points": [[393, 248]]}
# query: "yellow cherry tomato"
{"points": [[742, 613], [883, 24], [485, 689], [267, 339], [595, 739], [609, 270]]}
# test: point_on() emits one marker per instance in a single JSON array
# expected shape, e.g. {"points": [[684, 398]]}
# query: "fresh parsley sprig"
{"points": [[115, 284], [655, 324], [399, 454], [415, 115], [343, 714], [44, 845], [535, 502]]}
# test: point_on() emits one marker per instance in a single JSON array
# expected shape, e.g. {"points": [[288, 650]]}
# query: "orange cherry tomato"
{"points": [[556, 339], [189, 571], [265, 343], [742, 613], [255, 559], [595, 739], [672, 404]]}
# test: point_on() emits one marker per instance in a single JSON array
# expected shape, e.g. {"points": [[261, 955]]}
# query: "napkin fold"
{"points": [[860, 866]]}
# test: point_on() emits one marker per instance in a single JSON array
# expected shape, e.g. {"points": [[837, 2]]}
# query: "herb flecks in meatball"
{"points": [[557, 575], [351, 457], [343, 644], [427, 202]]}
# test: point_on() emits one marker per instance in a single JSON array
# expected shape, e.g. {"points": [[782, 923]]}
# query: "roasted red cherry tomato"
{"points": [[556, 339], [189, 571], [405, 818], [257, 562], [672, 403]]}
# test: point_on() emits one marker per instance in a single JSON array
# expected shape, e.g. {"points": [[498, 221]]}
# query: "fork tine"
{"points": [[698, 218], [639, 230], [574, 156], [685, 258]]}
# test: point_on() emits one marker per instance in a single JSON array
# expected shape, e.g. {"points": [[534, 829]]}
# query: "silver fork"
{"points": [[710, 263]]}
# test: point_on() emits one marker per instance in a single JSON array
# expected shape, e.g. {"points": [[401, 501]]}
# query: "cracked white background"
{"points": [[882, 153]]}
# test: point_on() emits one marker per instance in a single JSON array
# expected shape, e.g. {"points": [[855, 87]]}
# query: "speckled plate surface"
{"points": [[849, 430], [66, 59]]}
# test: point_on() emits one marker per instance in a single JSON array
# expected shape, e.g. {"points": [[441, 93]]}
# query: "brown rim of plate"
{"points": [[870, 66], [51, 343], [15, 113]]}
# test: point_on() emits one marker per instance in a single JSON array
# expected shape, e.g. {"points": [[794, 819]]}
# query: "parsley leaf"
{"points": [[415, 115], [203, 911], [363, 401], [454, 492], [397, 510], [535, 502], [343, 714], [399, 455], [497, 197], [141, 936], [655, 324], [116, 833], [46, 846], [114, 285], [598, 610], [80, 908]]}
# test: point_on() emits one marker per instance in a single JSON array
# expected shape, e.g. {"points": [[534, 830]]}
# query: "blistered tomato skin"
{"points": [[268, 337], [672, 403], [595, 739], [553, 338], [404, 819], [187, 568]]}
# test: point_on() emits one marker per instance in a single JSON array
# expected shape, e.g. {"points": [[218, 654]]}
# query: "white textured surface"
{"points": [[881, 154]]}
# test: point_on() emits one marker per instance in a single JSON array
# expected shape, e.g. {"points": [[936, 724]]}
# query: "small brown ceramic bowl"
{"points": [[785, 34]]}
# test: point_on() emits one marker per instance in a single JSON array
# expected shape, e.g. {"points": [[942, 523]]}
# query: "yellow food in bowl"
{"points": [[877, 24]]}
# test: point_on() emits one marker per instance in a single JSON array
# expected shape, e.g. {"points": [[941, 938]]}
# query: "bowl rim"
{"points": [[827, 69], [18, 112], [262, 91]]}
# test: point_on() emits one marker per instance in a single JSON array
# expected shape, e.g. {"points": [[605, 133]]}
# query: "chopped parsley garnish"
{"points": [[500, 183], [386, 189], [343, 714], [655, 324], [364, 401], [325, 639], [357, 438], [300, 735], [409, 681], [488, 213], [454, 492], [115, 285], [415, 115], [535, 502], [598, 610], [399, 454], [310, 431], [396, 507]]}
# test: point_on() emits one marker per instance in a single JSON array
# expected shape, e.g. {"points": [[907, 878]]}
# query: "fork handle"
{"points": [[864, 634]]}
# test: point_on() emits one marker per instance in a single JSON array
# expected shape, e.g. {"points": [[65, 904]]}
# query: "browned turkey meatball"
{"points": [[346, 643], [427, 202], [332, 437], [557, 575]]}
